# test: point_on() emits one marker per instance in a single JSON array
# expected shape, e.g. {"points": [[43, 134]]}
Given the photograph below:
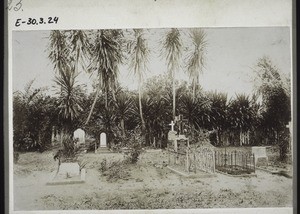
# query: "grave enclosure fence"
{"points": [[193, 160], [208, 160], [235, 162]]}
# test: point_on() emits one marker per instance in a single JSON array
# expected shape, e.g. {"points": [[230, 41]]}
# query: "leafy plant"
{"points": [[134, 147], [69, 152], [114, 170]]}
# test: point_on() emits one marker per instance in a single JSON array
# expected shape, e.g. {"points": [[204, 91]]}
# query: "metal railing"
{"points": [[235, 162]]}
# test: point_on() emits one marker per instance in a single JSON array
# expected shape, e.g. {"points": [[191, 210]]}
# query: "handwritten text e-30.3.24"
{"points": [[39, 21]]}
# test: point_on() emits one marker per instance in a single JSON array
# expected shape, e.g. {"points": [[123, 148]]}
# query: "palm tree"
{"points": [[33, 114], [69, 99], [123, 108], [107, 55], [59, 50], [80, 48], [275, 91], [195, 110], [196, 57], [218, 113], [240, 115], [139, 53], [172, 48]]}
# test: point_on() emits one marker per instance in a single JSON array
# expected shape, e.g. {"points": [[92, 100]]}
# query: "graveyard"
{"points": [[151, 185], [104, 133], [179, 176]]}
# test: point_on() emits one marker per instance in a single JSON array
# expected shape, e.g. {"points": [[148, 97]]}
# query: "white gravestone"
{"points": [[80, 135], [69, 170], [103, 143], [259, 152], [172, 135]]}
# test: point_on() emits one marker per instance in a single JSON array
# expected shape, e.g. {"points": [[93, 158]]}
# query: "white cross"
{"points": [[172, 124]]}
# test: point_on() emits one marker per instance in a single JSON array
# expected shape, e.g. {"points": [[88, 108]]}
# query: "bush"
{"points": [[134, 148], [69, 152], [114, 170]]}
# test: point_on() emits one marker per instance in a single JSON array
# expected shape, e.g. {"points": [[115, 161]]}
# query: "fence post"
{"points": [[187, 160], [169, 161], [195, 166], [215, 153], [231, 161], [214, 162], [253, 162], [235, 158]]}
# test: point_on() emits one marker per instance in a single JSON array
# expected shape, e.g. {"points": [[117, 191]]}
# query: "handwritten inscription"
{"points": [[15, 5], [36, 21]]}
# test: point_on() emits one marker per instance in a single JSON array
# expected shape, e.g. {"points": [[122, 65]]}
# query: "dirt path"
{"points": [[150, 186]]}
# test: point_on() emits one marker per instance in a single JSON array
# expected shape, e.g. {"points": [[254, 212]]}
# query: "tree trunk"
{"points": [[93, 106], [174, 95], [194, 91], [141, 110], [123, 127], [106, 98], [217, 137]]}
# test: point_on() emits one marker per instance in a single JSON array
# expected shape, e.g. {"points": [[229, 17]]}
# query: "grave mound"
{"points": [[68, 173]]}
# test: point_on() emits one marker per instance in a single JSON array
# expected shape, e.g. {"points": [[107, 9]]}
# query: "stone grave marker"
{"points": [[69, 169], [260, 154], [172, 124], [289, 126], [80, 135], [103, 142], [68, 173], [172, 135], [181, 143]]}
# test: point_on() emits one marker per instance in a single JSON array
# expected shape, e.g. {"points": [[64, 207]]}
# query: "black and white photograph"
{"points": [[152, 118]]}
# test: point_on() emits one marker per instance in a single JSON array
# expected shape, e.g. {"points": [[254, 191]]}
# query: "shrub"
{"points": [[69, 152], [114, 170], [134, 148]]}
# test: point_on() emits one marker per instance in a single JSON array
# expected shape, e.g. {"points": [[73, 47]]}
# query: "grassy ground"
{"points": [[150, 185]]}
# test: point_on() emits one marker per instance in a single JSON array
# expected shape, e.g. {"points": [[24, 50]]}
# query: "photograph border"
{"points": [[30, 9]]}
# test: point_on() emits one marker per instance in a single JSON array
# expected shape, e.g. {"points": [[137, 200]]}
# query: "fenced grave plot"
{"points": [[235, 163], [202, 159], [193, 160], [178, 160]]}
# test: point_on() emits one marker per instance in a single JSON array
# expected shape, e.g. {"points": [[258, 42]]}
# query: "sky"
{"points": [[230, 55]]}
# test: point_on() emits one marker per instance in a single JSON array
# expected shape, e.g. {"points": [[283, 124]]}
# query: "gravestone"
{"points": [[69, 170], [182, 124], [80, 135], [172, 135], [103, 143], [289, 126], [181, 143], [68, 173], [172, 124], [260, 154]]}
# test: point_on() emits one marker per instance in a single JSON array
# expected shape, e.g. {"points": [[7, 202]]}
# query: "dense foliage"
{"points": [[117, 111]]}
